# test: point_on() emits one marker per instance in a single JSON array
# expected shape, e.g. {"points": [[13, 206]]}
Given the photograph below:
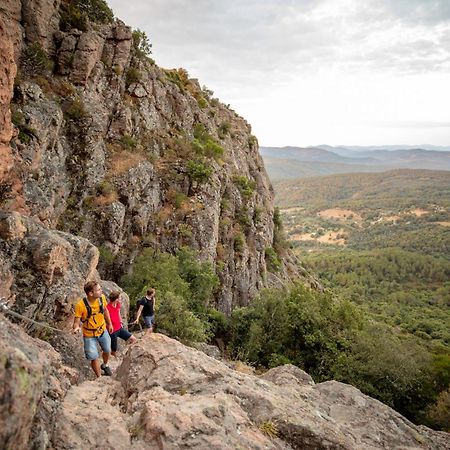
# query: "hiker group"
{"points": [[100, 322]]}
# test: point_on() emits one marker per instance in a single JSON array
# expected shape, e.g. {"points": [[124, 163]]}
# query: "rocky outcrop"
{"points": [[167, 396], [33, 383], [43, 272], [112, 148]]}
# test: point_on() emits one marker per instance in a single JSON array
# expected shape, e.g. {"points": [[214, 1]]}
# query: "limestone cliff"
{"points": [[110, 147]]}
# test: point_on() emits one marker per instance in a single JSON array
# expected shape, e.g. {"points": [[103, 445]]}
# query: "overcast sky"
{"points": [[309, 72]]}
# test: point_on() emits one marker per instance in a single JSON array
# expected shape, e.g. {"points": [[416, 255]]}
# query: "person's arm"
{"points": [[141, 307], [76, 325], [108, 320]]}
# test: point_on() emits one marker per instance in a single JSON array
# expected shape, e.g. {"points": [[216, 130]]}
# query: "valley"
{"points": [[379, 240]]}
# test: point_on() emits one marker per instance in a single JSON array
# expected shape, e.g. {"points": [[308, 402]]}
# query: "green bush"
{"points": [[204, 144], [26, 133], [132, 76], [245, 185], [180, 77], [224, 129], [78, 13], [239, 243], [199, 171], [174, 317], [272, 260], [75, 110], [106, 255], [35, 60], [332, 339], [128, 142], [185, 288], [142, 45]]}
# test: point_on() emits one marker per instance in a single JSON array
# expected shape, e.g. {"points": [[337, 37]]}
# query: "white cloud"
{"points": [[291, 67]]}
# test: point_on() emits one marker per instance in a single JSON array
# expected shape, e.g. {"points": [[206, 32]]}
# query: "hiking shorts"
{"points": [[149, 321], [122, 334], [90, 345]]}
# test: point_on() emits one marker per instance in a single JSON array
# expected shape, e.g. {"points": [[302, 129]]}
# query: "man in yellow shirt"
{"points": [[94, 316]]}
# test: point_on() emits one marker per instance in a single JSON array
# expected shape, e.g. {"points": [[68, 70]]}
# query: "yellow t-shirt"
{"points": [[96, 324]]}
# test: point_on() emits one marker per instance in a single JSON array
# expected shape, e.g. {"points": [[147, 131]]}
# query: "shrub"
{"points": [[75, 110], [180, 77], [245, 185], [175, 318], [78, 13], [26, 133], [176, 198], [199, 171], [106, 187], [218, 323], [141, 44], [269, 428], [202, 102], [239, 243], [106, 254], [204, 144], [35, 60], [224, 129], [276, 360], [133, 76], [128, 142], [184, 289], [272, 260], [439, 413]]}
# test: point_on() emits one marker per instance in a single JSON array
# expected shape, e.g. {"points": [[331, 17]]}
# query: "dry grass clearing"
{"points": [[331, 237], [444, 224], [340, 214], [419, 212], [123, 161], [295, 210]]}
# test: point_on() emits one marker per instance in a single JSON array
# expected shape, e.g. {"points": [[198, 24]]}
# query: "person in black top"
{"points": [[146, 306]]}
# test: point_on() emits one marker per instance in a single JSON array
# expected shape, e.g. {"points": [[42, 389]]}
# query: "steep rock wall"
{"points": [[112, 148]]}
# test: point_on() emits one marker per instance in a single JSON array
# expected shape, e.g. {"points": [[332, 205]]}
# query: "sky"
{"points": [[311, 72]]}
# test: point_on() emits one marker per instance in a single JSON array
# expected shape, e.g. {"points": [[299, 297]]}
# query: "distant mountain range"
{"points": [[283, 163]]}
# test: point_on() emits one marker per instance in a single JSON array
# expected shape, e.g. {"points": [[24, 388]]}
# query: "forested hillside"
{"points": [[382, 242]]}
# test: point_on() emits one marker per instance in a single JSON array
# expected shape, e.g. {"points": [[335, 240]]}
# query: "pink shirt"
{"points": [[114, 313]]}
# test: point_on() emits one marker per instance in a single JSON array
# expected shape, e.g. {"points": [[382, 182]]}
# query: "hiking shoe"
{"points": [[106, 370]]}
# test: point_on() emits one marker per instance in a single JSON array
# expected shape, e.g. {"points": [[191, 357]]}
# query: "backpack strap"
{"points": [[100, 300], [88, 309]]}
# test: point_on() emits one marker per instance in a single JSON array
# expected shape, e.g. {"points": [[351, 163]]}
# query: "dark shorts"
{"points": [[149, 321], [122, 334]]}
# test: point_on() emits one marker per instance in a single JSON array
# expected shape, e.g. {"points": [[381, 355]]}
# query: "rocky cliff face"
{"points": [[110, 147]]}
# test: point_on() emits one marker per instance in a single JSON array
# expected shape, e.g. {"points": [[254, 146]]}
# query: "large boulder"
{"points": [[33, 383], [169, 396]]}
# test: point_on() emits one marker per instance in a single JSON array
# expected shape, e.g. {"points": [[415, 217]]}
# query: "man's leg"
{"points": [[105, 343], [91, 353], [95, 364]]}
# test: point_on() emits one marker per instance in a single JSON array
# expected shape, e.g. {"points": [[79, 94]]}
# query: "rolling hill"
{"points": [[285, 163]]}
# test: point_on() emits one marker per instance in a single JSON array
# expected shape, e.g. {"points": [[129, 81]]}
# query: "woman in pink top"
{"points": [[118, 330]]}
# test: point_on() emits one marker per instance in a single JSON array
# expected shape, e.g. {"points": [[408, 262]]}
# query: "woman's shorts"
{"points": [[149, 321], [122, 334], [90, 345]]}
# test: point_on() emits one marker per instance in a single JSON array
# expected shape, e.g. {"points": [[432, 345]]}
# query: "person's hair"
{"points": [[150, 291], [114, 295], [89, 286]]}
